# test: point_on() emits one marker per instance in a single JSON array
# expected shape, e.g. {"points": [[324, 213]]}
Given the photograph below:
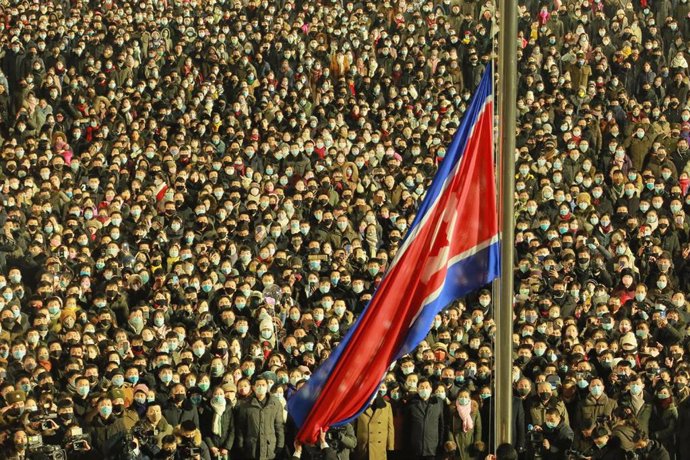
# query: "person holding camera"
{"points": [[156, 426], [624, 427], [168, 448], [190, 445], [77, 444], [321, 450], [343, 440], [604, 448], [649, 449], [558, 436]]}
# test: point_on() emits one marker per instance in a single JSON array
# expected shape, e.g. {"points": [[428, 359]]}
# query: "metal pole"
{"points": [[507, 68]]}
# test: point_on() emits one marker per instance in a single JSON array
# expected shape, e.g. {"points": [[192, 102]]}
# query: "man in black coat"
{"points": [[603, 449], [558, 436], [683, 427], [648, 449], [423, 419], [519, 423]]}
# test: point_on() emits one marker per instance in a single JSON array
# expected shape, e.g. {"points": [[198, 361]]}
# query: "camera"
{"points": [[144, 433], [190, 451], [80, 444], [572, 454], [37, 450], [45, 421], [536, 437], [536, 441], [76, 440], [603, 420]]}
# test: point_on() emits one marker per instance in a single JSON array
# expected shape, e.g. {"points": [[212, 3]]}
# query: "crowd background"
{"points": [[198, 198]]}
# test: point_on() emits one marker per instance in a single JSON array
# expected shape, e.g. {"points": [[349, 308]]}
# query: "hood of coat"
{"points": [[178, 432]]}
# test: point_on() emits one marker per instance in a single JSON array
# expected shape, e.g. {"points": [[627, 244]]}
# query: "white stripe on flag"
{"points": [[449, 263], [413, 233]]}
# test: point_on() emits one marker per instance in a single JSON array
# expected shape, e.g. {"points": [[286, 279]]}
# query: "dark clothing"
{"points": [[654, 451], [260, 431], [683, 427], [177, 414], [225, 439], [610, 451], [424, 426], [519, 423], [560, 440], [107, 437]]}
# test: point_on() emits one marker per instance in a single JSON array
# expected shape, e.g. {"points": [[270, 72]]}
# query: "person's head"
{"points": [[552, 418], [424, 388], [600, 437], [20, 440], [105, 407], [506, 451], [260, 387], [154, 413]]}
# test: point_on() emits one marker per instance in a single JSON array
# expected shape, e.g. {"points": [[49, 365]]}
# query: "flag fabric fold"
{"points": [[451, 249]]}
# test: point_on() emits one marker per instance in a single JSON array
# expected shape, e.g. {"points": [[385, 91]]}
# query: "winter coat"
{"points": [[260, 431], [205, 453], [423, 425], [161, 430], [175, 415], [625, 435], [639, 148], [560, 440], [465, 441], [683, 426], [537, 410], [662, 426], [227, 435], [375, 431], [107, 436], [644, 415], [609, 452], [590, 408], [655, 451], [586, 414]]}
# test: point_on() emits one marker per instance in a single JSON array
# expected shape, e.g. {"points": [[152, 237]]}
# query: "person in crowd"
{"points": [[375, 429], [424, 423], [465, 428], [260, 430]]}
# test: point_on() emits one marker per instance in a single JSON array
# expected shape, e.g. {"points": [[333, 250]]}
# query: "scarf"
{"points": [[216, 424], [465, 416], [637, 401]]}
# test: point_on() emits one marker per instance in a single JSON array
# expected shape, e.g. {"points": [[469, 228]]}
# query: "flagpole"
{"points": [[507, 68]]}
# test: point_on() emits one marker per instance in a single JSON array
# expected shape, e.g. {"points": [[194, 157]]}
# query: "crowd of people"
{"points": [[197, 198]]}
